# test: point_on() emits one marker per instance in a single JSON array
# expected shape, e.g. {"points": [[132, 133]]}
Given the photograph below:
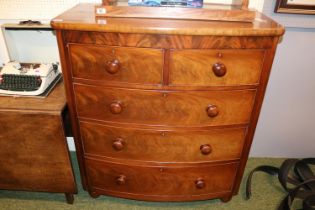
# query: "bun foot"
{"points": [[69, 198], [94, 194], [226, 199]]}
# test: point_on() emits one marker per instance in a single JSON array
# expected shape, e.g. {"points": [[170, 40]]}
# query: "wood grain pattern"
{"points": [[168, 41], [77, 20], [245, 4], [270, 54], [164, 108], [136, 65], [29, 161], [160, 181], [67, 76], [162, 87], [162, 145], [54, 103], [194, 67], [207, 12], [125, 129]]}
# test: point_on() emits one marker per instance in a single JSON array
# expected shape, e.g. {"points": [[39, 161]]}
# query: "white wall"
{"points": [[4, 56], [287, 120], [36, 9]]}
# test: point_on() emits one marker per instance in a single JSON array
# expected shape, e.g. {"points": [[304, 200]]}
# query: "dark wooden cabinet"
{"points": [[164, 110], [34, 153]]}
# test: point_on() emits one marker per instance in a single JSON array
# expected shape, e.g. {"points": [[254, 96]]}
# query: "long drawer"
{"points": [[164, 107], [215, 67], [162, 180], [117, 64], [162, 145]]}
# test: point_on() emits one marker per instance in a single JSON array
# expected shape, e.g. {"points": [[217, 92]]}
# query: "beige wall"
{"points": [[286, 127], [287, 123]]}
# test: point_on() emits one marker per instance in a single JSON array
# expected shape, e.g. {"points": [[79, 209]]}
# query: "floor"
{"points": [[267, 194]]}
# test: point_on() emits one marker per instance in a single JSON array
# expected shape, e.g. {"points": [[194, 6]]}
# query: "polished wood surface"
{"points": [[185, 129], [160, 181], [162, 145], [244, 3], [169, 41], [54, 103], [117, 64], [215, 67], [163, 108], [31, 157], [34, 152], [82, 18], [67, 77], [270, 54], [207, 12]]}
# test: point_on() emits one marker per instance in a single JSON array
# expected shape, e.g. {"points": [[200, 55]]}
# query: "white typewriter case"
{"points": [[28, 44]]}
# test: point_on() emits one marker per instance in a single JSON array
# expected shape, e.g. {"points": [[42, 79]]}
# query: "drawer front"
{"points": [[215, 67], [164, 108], [162, 145], [161, 180], [117, 64]]}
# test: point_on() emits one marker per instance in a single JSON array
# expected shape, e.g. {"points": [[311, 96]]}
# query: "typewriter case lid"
{"points": [[30, 43]]}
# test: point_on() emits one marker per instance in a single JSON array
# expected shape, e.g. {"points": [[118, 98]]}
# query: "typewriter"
{"points": [[28, 79]]}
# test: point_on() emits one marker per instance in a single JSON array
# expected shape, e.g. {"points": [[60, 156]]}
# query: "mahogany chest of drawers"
{"points": [[164, 110]]}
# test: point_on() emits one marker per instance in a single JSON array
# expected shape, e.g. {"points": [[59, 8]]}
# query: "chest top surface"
{"points": [[82, 17]]}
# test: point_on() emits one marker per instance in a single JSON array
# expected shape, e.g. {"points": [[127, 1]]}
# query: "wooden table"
{"points": [[33, 148]]}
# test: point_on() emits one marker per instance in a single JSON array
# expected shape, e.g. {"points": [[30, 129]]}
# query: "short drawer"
{"points": [[215, 67], [164, 107], [117, 64], [162, 145], [160, 180]]}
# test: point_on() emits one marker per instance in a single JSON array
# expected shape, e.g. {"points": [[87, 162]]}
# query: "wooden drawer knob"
{"points": [[121, 180], [113, 66], [205, 149], [200, 183], [219, 69], [212, 110], [118, 144], [116, 107]]}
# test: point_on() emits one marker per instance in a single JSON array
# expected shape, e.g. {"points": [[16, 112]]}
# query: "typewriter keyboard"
{"points": [[15, 82]]}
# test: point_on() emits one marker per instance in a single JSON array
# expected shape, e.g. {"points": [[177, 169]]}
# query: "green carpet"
{"points": [[266, 189]]}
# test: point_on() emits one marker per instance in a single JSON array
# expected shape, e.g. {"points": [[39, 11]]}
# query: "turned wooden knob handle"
{"points": [[219, 69], [121, 180], [200, 183], [118, 144], [205, 149], [212, 110], [116, 107], [113, 66]]}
